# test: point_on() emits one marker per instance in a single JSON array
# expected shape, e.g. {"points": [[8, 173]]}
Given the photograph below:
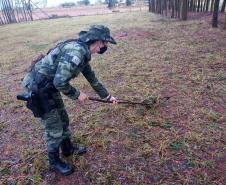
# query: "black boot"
{"points": [[68, 149], [55, 164]]}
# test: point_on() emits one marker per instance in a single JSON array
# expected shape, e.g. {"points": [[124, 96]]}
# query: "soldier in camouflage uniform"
{"points": [[52, 74]]}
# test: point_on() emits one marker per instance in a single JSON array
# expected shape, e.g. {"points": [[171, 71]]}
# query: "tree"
{"points": [[111, 3], [207, 5], [128, 3], [184, 10], [84, 2], [153, 6], [223, 6], [8, 11], [191, 5], [215, 13], [211, 6], [225, 23], [149, 5], [13, 11], [180, 8], [67, 4], [40, 3]]}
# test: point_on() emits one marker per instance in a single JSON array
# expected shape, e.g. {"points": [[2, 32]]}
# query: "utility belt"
{"points": [[38, 100]]}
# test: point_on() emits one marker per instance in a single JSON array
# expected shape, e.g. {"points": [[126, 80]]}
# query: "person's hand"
{"points": [[114, 100], [82, 97]]}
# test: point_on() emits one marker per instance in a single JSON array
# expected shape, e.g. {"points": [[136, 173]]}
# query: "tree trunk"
{"points": [[111, 4], [195, 6], [215, 13], [166, 7], [225, 23], [207, 5], [17, 11], [223, 6], [176, 8], [191, 5], [173, 8], [21, 11], [158, 6], [8, 10], [198, 5], [5, 12], [153, 5], [24, 10], [12, 11], [30, 9], [201, 1], [179, 8], [149, 5], [204, 5], [1, 20], [212, 3], [184, 10]]}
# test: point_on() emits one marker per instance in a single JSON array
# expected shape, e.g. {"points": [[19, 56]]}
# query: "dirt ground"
{"points": [[182, 141]]}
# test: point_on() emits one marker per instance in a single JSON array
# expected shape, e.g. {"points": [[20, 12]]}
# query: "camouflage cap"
{"points": [[97, 32]]}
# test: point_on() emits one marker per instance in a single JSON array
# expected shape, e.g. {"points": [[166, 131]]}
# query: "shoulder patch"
{"points": [[76, 60]]}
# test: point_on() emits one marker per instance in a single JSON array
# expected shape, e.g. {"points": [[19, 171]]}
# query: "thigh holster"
{"points": [[38, 103]]}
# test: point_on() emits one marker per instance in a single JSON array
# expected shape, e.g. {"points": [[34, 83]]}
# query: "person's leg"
{"points": [[53, 129], [54, 137], [63, 115], [66, 145]]}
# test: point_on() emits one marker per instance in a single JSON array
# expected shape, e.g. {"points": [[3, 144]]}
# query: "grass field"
{"points": [[182, 141]]}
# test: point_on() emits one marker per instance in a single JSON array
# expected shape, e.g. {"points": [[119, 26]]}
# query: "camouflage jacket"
{"points": [[64, 63]]}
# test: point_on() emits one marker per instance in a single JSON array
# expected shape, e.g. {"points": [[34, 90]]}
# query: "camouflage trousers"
{"points": [[56, 123]]}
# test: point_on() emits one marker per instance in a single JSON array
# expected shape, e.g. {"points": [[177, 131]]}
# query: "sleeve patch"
{"points": [[76, 60]]}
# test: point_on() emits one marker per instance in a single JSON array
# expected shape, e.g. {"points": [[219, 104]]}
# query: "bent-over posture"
{"points": [[51, 75]]}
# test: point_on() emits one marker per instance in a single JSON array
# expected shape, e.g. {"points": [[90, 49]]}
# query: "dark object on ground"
{"points": [[148, 103], [55, 16]]}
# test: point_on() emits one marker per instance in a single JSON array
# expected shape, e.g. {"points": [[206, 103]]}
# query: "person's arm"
{"points": [[89, 74], [66, 68]]}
